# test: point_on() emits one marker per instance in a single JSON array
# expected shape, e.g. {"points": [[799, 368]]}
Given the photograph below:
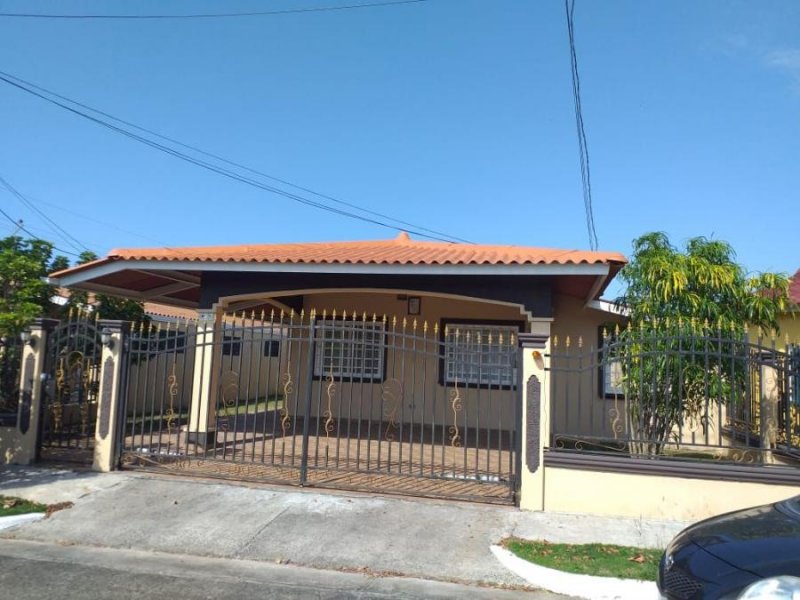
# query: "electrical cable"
{"points": [[64, 234], [583, 148], [99, 221], [32, 235], [232, 163], [214, 15], [419, 231]]}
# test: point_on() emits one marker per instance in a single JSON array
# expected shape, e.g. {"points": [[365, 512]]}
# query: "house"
{"points": [[452, 371], [789, 322], [389, 364]]}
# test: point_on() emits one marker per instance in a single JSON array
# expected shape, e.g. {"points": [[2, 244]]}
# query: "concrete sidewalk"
{"points": [[445, 541]]}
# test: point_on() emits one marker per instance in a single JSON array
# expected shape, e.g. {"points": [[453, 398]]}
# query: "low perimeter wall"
{"points": [[668, 496], [16, 448]]}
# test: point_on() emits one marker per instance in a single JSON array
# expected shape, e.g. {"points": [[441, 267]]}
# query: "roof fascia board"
{"points": [[601, 270], [608, 307], [597, 287]]}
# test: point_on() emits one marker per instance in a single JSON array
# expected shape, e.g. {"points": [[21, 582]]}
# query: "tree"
{"points": [[703, 282], [684, 352], [24, 291]]}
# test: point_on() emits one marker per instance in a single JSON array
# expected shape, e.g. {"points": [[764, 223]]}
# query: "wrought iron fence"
{"points": [[689, 393], [10, 361], [347, 400], [70, 388]]}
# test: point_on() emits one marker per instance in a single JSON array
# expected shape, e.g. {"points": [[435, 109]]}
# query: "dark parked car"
{"points": [[717, 558]]}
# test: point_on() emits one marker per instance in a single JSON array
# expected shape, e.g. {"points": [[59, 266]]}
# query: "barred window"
{"points": [[481, 355], [349, 349], [231, 345]]}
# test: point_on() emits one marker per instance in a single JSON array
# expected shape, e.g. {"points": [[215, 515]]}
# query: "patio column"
{"points": [[114, 336], [535, 426], [202, 417], [18, 443]]}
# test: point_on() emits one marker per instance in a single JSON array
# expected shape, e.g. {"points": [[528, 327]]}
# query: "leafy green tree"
{"points": [[24, 291], [683, 355], [702, 282]]}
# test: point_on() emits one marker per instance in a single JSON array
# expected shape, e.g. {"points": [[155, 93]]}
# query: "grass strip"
{"points": [[603, 560], [10, 506]]}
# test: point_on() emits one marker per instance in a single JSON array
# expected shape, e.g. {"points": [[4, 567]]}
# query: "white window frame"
{"points": [[353, 358], [483, 364]]}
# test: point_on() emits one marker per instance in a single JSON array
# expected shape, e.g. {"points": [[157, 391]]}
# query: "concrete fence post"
{"points": [[110, 395], [19, 444], [534, 362]]}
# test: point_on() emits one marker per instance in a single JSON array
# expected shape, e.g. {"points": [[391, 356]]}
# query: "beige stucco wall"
{"points": [[578, 407], [651, 496], [16, 448], [789, 328], [412, 385], [148, 382]]}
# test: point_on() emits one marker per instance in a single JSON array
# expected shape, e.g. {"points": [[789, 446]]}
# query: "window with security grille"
{"points": [[480, 355], [349, 349]]}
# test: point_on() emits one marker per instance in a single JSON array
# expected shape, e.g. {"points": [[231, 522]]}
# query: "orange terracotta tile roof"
{"points": [[399, 251], [173, 312]]}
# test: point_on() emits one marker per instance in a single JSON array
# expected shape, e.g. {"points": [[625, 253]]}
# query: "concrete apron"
{"points": [[447, 541]]}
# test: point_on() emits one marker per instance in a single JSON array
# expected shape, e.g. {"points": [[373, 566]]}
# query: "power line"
{"points": [[18, 223], [287, 11], [338, 201], [583, 148], [419, 231], [65, 235], [99, 221]]}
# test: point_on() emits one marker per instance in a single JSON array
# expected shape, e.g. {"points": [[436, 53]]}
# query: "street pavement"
{"points": [[32, 571], [377, 536]]}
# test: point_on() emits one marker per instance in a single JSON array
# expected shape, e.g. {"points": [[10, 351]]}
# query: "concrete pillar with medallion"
{"points": [[535, 418], [18, 442], [110, 396]]}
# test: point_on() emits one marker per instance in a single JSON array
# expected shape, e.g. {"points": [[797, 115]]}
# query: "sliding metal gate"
{"points": [[340, 400]]}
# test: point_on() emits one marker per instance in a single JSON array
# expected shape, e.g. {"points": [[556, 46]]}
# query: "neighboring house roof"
{"points": [[165, 312], [173, 275]]}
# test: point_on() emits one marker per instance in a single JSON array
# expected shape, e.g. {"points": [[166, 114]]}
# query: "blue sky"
{"points": [[454, 114]]}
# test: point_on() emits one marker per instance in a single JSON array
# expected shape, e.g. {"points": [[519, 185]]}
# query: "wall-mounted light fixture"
{"points": [[106, 339], [28, 338]]}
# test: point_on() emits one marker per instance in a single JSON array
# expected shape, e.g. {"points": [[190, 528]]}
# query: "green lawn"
{"points": [[16, 506], [590, 559], [250, 408], [245, 408]]}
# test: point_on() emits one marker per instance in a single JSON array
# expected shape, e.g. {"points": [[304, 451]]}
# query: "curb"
{"points": [[14, 520], [572, 584]]}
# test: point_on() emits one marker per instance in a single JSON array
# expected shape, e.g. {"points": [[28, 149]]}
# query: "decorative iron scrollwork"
{"points": [[456, 406], [229, 395], [330, 390], [172, 390], [392, 394], [288, 388]]}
